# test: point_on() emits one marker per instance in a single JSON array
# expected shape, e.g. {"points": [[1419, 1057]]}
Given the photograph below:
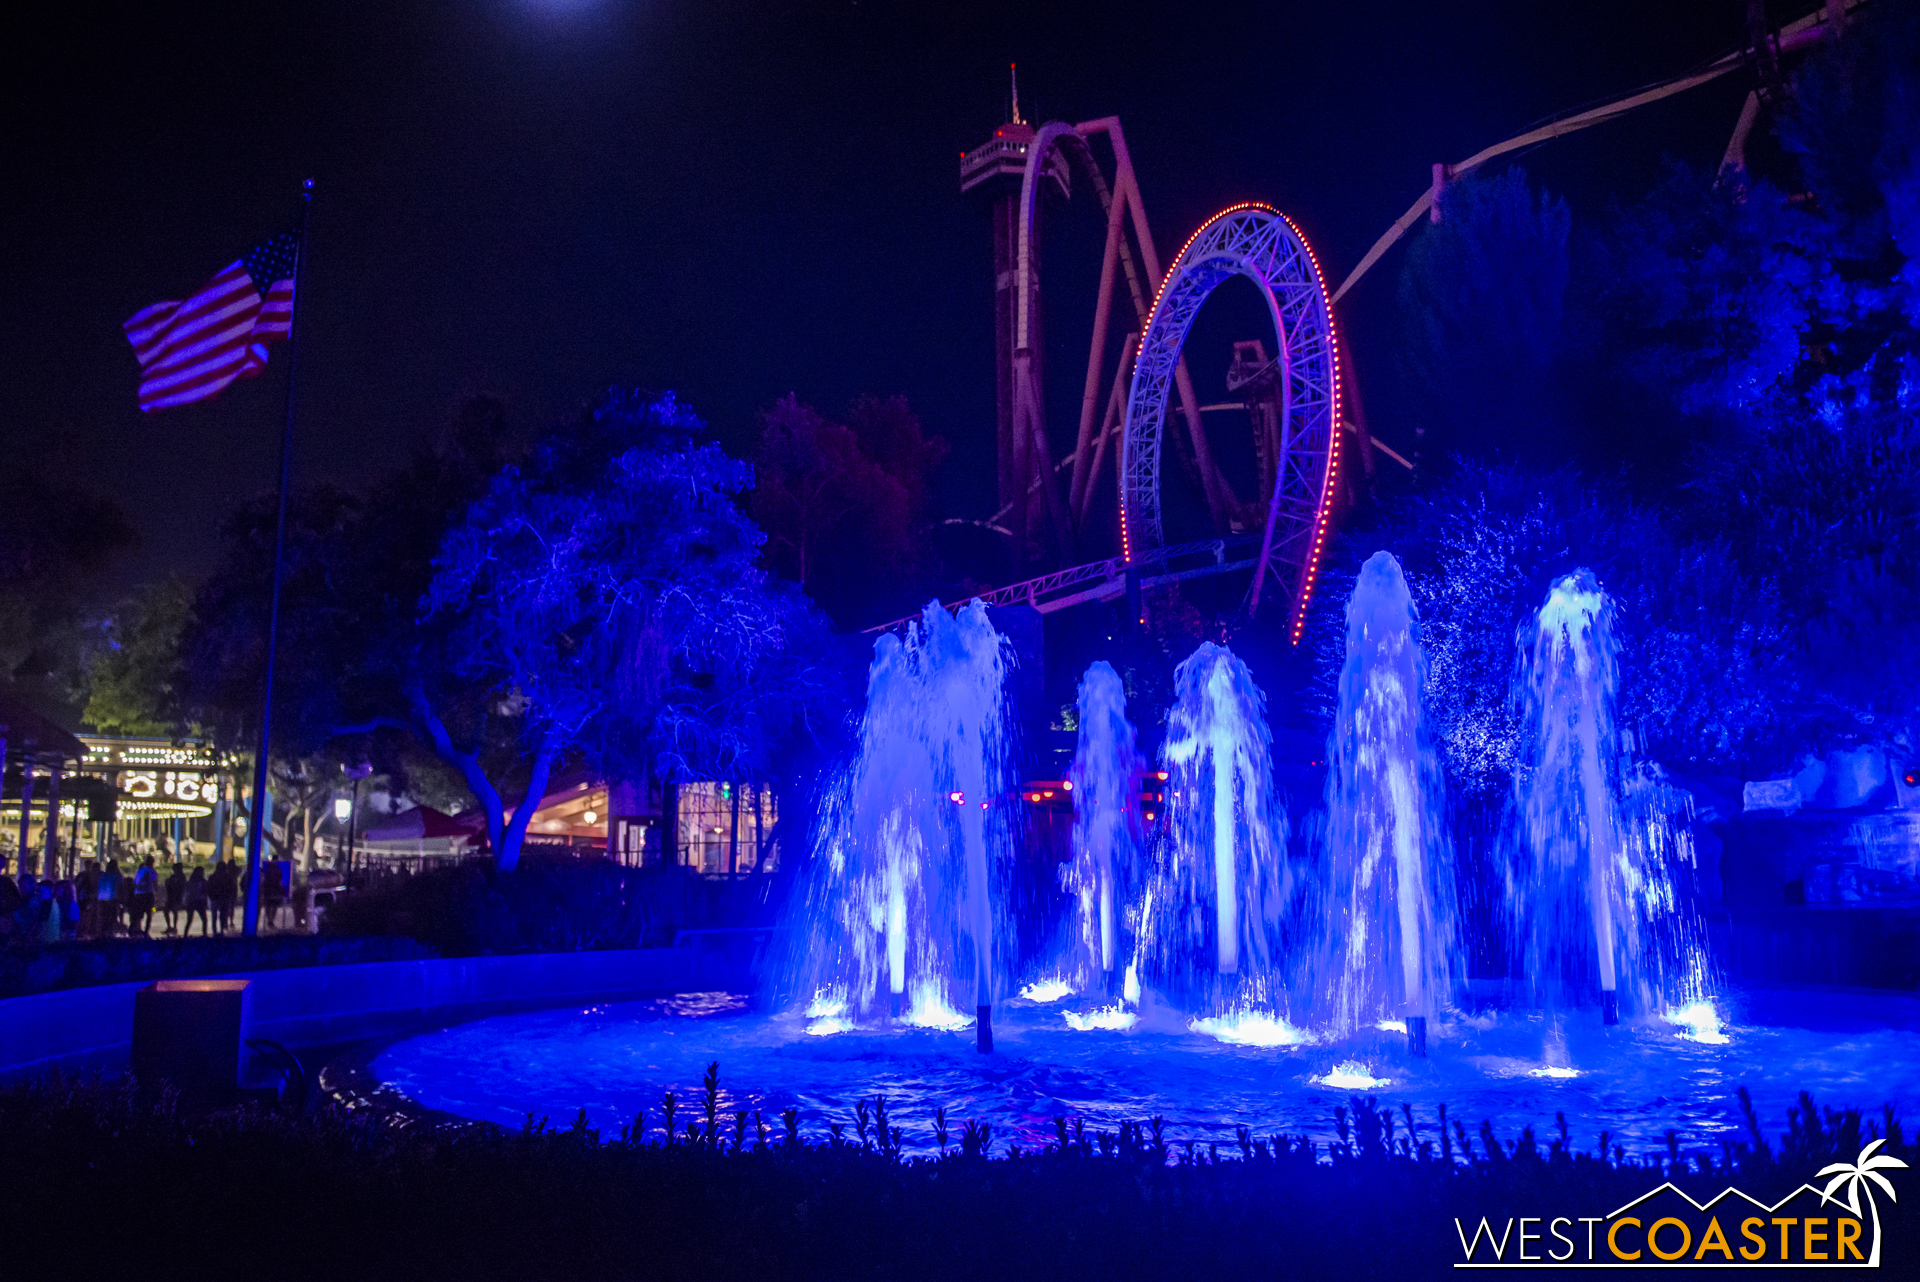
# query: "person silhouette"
{"points": [[194, 901], [176, 892]]}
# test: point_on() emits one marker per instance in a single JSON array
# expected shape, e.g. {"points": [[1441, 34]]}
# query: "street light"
{"points": [[345, 810]]}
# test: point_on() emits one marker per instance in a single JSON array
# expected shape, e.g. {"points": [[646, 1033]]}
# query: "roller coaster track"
{"points": [[1263, 245], [1107, 580]]}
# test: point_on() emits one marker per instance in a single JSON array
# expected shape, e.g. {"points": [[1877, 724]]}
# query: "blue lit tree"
{"points": [[611, 592], [1483, 297], [1707, 675]]}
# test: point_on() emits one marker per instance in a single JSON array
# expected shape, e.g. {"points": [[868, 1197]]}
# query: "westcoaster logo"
{"points": [[1804, 1228]]}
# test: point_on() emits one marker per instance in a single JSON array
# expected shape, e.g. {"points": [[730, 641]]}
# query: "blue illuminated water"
{"points": [[1635, 1080], [1263, 987], [903, 908]]}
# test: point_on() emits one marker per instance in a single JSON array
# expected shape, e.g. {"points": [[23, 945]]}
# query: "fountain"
{"points": [[1105, 781], [1590, 883], [1238, 1008], [911, 847], [1210, 919], [1389, 946]]}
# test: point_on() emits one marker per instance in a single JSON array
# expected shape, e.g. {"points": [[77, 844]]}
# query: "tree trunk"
{"points": [[507, 855], [468, 764]]}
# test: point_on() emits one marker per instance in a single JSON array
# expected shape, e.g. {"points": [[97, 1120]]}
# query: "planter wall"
{"points": [[91, 1029]]}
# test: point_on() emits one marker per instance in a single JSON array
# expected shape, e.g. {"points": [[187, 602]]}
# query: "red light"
{"points": [[1161, 775], [956, 797]]}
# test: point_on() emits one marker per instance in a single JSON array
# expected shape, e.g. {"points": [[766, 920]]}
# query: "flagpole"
{"points": [[262, 809]]}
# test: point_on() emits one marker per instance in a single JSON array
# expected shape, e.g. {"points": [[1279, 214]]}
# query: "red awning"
{"points": [[423, 823]]}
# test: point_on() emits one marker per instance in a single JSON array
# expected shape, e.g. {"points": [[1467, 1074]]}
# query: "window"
{"points": [[724, 827]]}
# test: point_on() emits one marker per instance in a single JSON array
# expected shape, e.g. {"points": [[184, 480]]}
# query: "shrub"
{"points": [[351, 1198]]}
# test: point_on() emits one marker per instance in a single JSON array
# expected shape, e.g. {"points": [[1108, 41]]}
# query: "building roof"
{"points": [[423, 823], [31, 735]]}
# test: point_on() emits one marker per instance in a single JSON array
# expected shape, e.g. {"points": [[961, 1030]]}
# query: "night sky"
{"points": [[542, 198]]}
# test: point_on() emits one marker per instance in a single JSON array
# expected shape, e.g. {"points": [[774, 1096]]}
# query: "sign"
{"points": [[1833, 1227], [143, 785]]}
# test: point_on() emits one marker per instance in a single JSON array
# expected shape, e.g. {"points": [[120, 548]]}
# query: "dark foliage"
{"points": [[121, 961], [1483, 296], [130, 681], [550, 903], [728, 1193], [844, 506], [56, 540]]}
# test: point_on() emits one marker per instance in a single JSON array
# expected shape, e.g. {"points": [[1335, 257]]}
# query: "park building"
{"points": [[718, 828], [184, 799], [77, 796]]}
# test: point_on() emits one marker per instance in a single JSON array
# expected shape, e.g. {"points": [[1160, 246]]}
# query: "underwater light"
{"points": [[1701, 1022], [1351, 1075], [1109, 1019], [1252, 1028], [929, 1009]]}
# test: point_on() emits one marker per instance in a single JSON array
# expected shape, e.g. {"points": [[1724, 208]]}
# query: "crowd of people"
{"points": [[103, 900]]}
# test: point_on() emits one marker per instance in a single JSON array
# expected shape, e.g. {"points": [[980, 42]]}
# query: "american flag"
{"points": [[189, 351]]}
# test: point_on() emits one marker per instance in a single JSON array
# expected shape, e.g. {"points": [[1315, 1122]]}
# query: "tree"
{"points": [[56, 541], [624, 609], [359, 677], [130, 681], [1484, 299], [1707, 673], [1863, 1173], [844, 505]]}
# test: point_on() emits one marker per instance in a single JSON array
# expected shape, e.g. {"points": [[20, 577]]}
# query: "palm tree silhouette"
{"points": [[1855, 1176]]}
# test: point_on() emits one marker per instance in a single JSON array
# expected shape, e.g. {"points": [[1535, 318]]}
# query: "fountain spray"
{"points": [[1567, 686], [1105, 780], [1596, 887], [901, 911], [1387, 907], [1209, 925]]}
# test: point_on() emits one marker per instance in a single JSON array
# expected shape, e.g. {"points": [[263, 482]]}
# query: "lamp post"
{"points": [[343, 814], [345, 810]]}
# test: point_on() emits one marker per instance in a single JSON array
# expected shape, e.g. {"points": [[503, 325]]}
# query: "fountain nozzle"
{"points": [[983, 1031], [1417, 1036], [1609, 1006]]}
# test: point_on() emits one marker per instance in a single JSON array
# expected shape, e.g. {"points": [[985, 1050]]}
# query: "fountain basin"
{"points": [[1635, 1081]]}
